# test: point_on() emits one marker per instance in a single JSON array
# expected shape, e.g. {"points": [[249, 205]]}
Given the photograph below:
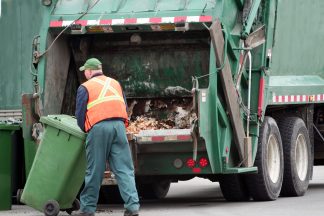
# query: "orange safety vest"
{"points": [[105, 100]]}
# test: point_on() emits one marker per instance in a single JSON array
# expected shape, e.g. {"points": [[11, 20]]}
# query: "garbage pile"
{"points": [[146, 123], [160, 114]]}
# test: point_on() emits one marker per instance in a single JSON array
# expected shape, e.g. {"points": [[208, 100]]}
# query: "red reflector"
{"points": [[205, 18], [180, 19], [261, 96], [191, 163], [81, 22], [183, 137], [130, 20], [203, 162], [105, 22], [157, 138], [196, 170], [56, 23], [155, 20]]}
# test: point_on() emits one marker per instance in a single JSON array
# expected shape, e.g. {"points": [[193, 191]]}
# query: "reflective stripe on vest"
{"points": [[102, 98], [105, 101]]}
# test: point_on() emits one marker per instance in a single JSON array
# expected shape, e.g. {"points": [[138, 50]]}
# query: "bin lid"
{"points": [[64, 122]]}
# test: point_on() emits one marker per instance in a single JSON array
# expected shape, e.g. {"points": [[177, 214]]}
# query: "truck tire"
{"points": [[234, 188], [266, 184], [156, 190], [297, 156]]}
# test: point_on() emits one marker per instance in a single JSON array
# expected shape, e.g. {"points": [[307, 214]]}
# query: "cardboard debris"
{"points": [[146, 123], [160, 114]]}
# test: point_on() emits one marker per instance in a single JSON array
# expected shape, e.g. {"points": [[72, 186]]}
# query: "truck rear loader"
{"points": [[235, 88]]}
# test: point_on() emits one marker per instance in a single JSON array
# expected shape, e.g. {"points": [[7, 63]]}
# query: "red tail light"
{"points": [[203, 162], [191, 163], [196, 170]]}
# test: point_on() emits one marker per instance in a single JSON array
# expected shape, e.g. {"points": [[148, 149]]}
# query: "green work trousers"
{"points": [[107, 141]]}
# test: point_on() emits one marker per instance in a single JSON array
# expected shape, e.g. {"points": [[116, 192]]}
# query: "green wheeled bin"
{"points": [[58, 170], [6, 133]]}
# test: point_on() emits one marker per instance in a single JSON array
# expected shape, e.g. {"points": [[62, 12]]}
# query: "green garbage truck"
{"points": [[227, 90]]}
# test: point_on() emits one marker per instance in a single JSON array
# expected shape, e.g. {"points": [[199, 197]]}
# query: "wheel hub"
{"points": [[273, 159], [301, 157]]}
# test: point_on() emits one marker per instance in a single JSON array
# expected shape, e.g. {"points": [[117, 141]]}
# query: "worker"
{"points": [[101, 112]]}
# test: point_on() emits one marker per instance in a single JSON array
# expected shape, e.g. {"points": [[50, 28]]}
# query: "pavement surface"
{"points": [[202, 197]]}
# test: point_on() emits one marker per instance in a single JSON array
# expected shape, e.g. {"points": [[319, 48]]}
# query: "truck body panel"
{"points": [[19, 24], [297, 68]]}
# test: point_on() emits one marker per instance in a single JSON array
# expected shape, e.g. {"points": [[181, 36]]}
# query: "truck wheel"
{"points": [[76, 205], [297, 156], [234, 188], [156, 190], [51, 208], [266, 184]]}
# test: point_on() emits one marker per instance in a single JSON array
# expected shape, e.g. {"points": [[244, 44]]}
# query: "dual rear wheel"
{"points": [[284, 164], [297, 155]]}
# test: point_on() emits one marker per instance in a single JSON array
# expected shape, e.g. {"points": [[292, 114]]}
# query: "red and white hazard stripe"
{"points": [[131, 21], [297, 98], [164, 138]]}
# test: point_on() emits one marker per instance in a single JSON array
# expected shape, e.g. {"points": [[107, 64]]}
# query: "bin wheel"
{"points": [[51, 208], [18, 196], [75, 207]]}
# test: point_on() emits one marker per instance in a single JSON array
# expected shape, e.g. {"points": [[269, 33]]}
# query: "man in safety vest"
{"points": [[101, 112]]}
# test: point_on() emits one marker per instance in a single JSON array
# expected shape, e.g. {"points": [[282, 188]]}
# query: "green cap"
{"points": [[92, 64]]}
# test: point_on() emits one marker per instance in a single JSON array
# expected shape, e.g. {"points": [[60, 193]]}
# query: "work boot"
{"points": [[84, 214], [129, 213]]}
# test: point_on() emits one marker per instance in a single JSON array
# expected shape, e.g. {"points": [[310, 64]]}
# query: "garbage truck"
{"points": [[227, 90]]}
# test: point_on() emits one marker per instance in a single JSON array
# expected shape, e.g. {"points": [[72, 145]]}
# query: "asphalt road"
{"points": [[202, 197]]}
